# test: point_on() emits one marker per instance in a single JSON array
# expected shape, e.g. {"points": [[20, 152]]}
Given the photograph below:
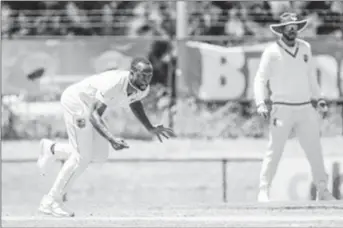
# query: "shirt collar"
{"points": [[292, 51]]}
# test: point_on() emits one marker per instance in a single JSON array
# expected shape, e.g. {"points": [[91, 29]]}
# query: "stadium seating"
{"points": [[235, 19]]}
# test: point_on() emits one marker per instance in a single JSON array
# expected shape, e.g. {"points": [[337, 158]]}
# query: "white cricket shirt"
{"points": [[290, 73], [109, 87]]}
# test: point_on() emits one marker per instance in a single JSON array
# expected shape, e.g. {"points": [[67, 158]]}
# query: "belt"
{"points": [[291, 104]]}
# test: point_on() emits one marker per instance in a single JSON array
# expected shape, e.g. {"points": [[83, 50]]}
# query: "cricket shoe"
{"points": [[50, 206], [263, 195], [325, 195], [45, 155]]}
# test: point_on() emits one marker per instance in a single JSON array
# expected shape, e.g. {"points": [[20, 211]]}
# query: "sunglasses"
{"points": [[291, 26]]}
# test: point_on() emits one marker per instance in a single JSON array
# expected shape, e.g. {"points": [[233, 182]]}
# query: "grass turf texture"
{"points": [[315, 214], [163, 194]]}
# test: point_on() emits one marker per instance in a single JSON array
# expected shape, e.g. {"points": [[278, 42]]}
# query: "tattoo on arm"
{"points": [[97, 111], [138, 110]]}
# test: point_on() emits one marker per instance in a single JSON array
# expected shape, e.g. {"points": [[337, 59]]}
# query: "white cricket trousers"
{"points": [[304, 120], [85, 145]]}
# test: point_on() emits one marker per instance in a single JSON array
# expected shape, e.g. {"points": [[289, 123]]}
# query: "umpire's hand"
{"points": [[263, 111], [322, 106]]}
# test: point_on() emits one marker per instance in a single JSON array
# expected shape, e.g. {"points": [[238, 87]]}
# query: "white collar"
{"points": [[292, 51]]}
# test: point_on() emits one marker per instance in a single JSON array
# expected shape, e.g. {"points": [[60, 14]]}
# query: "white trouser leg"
{"points": [[86, 150], [80, 139], [100, 148], [281, 123], [308, 132]]}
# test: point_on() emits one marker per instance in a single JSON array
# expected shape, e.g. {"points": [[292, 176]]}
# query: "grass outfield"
{"points": [[152, 183], [310, 214], [162, 194], [332, 146]]}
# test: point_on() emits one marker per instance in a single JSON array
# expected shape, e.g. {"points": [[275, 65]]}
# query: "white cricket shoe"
{"points": [[50, 206], [325, 195], [263, 195], [45, 155]]}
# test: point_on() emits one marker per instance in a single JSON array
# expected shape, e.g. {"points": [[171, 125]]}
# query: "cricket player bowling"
{"points": [[287, 65], [84, 104]]}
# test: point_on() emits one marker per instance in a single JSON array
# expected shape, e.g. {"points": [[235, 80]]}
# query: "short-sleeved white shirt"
{"points": [[109, 87]]}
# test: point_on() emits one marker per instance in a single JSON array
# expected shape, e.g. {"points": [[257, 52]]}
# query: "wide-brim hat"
{"points": [[288, 19]]}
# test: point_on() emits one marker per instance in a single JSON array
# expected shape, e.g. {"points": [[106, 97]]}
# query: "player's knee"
{"points": [[79, 160], [75, 159]]}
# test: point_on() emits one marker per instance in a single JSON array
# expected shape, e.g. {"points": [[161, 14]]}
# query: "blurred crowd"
{"points": [[237, 21], [240, 19], [145, 18], [63, 18]]}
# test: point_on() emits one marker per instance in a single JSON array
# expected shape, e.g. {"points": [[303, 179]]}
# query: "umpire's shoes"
{"points": [[50, 206], [45, 155], [325, 195], [263, 195]]}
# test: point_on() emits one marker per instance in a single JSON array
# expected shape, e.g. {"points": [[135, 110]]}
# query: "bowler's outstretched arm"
{"points": [[138, 110]]}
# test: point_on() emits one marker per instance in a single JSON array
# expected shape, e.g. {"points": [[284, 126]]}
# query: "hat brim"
{"points": [[278, 28]]}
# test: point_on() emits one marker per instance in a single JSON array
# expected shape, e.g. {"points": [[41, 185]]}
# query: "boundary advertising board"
{"points": [[64, 60], [216, 73]]}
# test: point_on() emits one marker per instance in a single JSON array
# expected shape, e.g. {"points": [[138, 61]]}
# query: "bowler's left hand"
{"points": [[160, 131]]}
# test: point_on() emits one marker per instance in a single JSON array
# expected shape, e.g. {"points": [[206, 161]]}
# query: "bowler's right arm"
{"points": [[97, 109], [96, 112], [95, 100]]}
